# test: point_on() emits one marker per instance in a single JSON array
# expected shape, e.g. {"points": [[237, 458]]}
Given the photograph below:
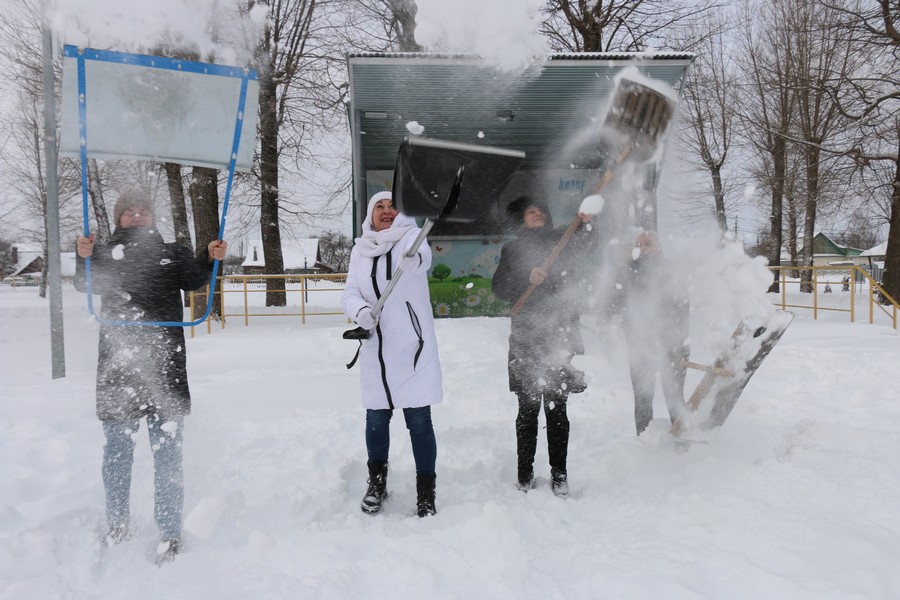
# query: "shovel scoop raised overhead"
{"points": [[638, 117], [444, 181]]}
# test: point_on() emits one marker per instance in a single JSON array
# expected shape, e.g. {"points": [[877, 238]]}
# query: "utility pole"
{"points": [[57, 339]]}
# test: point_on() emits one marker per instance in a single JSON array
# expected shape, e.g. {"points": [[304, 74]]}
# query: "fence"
{"points": [[856, 278], [253, 288]]}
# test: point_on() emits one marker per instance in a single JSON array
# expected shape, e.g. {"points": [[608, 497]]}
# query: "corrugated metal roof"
{"points": [[540, 110]]}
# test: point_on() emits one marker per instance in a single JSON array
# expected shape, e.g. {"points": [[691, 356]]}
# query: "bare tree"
{"points": [[280, 56], [870, 98], [766, 119], [175, 184], [398, 20], [335, 249], [7, 265], [857, 232], [709, 106], [95, 191], [204, 192], [23, 157], [818, 57], [616, 25]]}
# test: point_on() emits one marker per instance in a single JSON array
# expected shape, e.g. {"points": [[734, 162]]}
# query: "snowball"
{"points": [[204, 518], [414, 128], [118, 252], [592, 205]]}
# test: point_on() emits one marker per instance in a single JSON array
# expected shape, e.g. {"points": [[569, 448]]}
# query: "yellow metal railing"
{"points": [[878, 298], [245, 285]]}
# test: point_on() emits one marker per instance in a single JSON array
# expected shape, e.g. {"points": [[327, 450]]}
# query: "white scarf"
{"points": [[377, 243]]}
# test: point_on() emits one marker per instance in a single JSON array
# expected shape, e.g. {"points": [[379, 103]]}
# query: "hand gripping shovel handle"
{"points": [[379, 304], [640, 115], [361, 333], [570, 231]]}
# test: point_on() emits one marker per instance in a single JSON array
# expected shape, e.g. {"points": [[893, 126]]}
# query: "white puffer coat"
{"points": [[399, 366]]}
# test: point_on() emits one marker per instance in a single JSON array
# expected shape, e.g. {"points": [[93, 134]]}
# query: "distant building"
{"points": [[827, 252], [875, 257], [29, 262], [300, 256]]}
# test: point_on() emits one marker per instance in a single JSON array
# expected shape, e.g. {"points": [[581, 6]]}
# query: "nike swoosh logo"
{"points": [[165, 261]]}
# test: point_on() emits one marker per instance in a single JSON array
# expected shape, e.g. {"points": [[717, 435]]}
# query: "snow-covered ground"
{"points": [[797, 497]]}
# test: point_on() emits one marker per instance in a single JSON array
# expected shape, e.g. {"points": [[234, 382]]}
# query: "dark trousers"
{"points": [[527, 430], [421, 434], [643, 381]]}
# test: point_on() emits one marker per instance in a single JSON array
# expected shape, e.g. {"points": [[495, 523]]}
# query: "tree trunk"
{"points": [[95, 191], [204, 191], [405, 14], [776, 215], [268, 210], [890, 280], [809, 229], [179, 210], [793, 227], [177, 201], [719, 196]]}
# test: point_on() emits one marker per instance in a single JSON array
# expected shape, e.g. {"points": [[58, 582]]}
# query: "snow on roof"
{"points": [[297, 254], [25, 255], [879, 250], [67, 264], [66, 261]]}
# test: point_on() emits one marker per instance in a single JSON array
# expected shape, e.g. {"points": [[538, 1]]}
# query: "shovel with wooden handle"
{"points": [[638, 117]]}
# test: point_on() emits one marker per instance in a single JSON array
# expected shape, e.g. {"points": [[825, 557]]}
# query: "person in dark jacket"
{"points": [[142, 370], [544, 334], [655, 315]]}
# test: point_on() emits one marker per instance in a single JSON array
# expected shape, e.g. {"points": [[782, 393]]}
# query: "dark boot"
{"points": [[377, 492], [559, 483], [425, 495], [167, 550]]}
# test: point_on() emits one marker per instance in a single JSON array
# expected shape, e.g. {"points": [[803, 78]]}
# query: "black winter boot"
{"points": [[425, 493], [559, 483], [377, 492]]}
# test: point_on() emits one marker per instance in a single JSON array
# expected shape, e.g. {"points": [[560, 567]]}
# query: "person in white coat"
{"points": [[399, 366]]}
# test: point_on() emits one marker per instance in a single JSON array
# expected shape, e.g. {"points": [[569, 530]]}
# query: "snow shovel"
{"points": [[443, 181], [638, 117], [726, 378]]}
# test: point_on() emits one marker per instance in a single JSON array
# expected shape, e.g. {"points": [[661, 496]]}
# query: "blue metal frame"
{"points": [[83, 54]]}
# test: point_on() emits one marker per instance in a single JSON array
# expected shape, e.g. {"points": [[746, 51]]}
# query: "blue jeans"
{"points": [[421, 434], [118, 456]]}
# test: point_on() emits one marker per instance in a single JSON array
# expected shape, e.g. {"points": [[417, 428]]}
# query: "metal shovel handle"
{"points": [[379, 304], [452, 201]]}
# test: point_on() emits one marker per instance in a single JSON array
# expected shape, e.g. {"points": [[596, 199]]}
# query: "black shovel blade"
{"points": [[427, 168]]}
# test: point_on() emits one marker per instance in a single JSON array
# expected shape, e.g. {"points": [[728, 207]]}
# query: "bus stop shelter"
{"points": [[548, 111]]}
